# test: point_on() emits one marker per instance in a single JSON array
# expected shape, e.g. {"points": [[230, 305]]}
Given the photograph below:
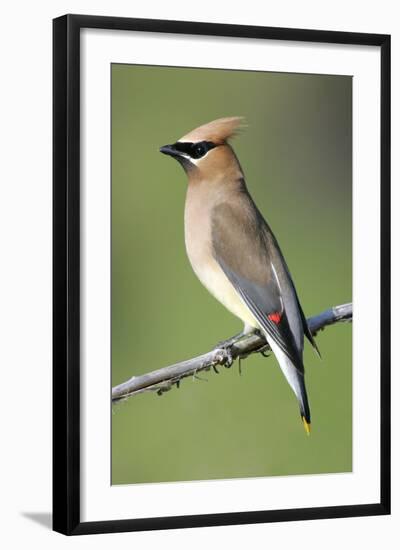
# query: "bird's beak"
{"points": [[169, 150]]}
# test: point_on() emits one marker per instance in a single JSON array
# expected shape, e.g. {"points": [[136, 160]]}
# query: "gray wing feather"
{"points": [[244, 247]]}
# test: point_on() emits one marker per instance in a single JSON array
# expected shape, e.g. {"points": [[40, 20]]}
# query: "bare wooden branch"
{"points": [[237, 347]]}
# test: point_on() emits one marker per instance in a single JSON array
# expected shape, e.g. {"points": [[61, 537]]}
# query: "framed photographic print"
{"points": [[221, 196]]}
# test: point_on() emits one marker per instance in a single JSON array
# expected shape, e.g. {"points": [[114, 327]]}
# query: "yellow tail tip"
{"points": [[307, 426]]}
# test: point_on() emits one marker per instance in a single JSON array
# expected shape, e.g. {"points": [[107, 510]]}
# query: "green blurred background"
{"points": [[296, 154]]}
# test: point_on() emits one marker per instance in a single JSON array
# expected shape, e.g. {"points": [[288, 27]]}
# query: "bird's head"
{"points": [[206, 148]]}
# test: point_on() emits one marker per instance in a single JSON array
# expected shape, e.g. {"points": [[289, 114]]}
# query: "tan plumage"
{"points": [[217, 131], [201, 198], [213, 182], [233, 251]]}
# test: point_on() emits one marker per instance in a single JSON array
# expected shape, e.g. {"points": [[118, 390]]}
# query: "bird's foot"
{"points": [[229, 359], [224, 358], [224, 344], [265, 351]]}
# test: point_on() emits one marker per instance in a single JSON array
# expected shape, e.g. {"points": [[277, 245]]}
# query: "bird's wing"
{"points": [[306, 328], [242, 245]]}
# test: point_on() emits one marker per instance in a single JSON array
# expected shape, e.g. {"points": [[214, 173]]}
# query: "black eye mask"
{"points": [[194, 150]]}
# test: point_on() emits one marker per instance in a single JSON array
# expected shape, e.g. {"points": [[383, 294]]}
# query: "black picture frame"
{"points": [[66, 273]]}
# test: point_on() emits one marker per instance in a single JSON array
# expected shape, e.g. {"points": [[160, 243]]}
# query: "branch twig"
{"points": [[239, 347]]}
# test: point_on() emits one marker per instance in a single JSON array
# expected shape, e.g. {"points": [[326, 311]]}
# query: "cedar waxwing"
{"points": [[233, 251]]}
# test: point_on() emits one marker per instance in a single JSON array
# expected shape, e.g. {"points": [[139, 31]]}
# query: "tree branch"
{"points": [[237, 347]]}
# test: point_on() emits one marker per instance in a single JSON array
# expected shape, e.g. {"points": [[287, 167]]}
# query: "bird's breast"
{"points": [[199, 249]]}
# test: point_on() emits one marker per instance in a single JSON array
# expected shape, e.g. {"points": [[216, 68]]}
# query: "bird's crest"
{"points": [[218, 131]]}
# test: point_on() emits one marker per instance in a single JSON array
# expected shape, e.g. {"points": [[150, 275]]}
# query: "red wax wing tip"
{"points": [[275, 317]]}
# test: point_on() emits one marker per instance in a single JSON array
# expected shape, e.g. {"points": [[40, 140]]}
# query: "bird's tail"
{"points": [[296, 382], [303, 403]]}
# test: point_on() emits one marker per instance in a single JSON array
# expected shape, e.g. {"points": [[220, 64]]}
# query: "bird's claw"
{"points": [[164, 388], [265, 351], [223, 344], [223, 357], [228, 362]]}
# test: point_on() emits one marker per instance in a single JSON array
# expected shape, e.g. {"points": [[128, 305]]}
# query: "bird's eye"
{"points": [[200, 150]]}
